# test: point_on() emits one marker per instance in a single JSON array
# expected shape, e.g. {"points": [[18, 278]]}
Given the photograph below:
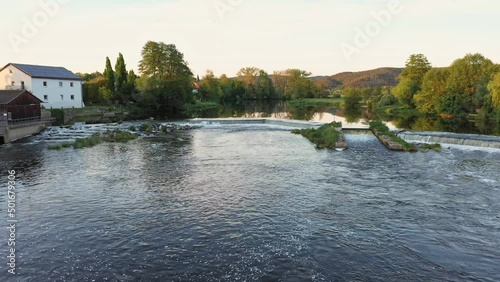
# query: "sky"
{"points": [[323, 37]]}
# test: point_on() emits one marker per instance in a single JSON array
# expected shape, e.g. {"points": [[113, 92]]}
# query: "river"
{"points": [[251, 203]]}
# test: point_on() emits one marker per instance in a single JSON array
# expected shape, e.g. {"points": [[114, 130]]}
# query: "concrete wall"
{"points": [[14, 133]]}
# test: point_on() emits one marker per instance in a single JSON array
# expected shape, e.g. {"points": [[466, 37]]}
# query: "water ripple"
{"points": [[253, 204]]}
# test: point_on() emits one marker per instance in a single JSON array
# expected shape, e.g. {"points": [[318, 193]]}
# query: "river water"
{"points": [[251, 203]]}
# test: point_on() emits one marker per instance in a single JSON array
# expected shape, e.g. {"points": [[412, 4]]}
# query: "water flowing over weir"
{"points": [[269, 121], [251, 202], [451, 138]]}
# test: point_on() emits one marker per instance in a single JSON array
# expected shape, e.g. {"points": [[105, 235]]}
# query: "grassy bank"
{"points": [[317, 102], [326, 136]]}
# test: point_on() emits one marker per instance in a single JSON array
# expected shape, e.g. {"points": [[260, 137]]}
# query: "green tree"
{"points": [[405, 91], [494, 88], [248, 76], [211, 89], [433, 90], [468, 79], [128, 89], [264, 86], [120, 73], [411, 79], [166, 83], [415, 68], [109, 74], [163, 61], [106, 94], [91, 93], [298, 85], [352, 104]]}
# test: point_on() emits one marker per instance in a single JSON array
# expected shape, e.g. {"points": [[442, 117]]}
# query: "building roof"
{"points": [[7, 96], [45, 71]]}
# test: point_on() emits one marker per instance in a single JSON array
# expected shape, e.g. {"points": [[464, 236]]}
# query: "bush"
{"points": [[146, 128], [324, 137], [119, 137], [55, 147], [58, 114], [87, 142], [435, 147], [66, 145]]}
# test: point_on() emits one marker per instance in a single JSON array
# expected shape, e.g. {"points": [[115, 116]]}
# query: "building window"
{"points": [[46, 97], [22, 85], [13, 83], [60, 84], [71, 84], [62, 97], [45, 83], [72, 97], [10, 71]]}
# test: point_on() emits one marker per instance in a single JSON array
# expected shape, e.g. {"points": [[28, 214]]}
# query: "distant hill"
{"points": [[369, 78]]}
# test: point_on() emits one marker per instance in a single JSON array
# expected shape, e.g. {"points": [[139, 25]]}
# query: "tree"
{"points": [[163, 61], [264, 86], [166, 82], [433, 89], [210, 87], [468, 78], [494, 88], [415, 68], [279, 79], [248, 76], [352, 101], [405, 90], [106, 94], [120, 73], [298, 84], [411, 79], [128, 88], [109, 74], [89, 76], [91, 93]]}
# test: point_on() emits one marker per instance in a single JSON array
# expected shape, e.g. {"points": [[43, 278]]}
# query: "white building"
{"points": [[57, 87]]}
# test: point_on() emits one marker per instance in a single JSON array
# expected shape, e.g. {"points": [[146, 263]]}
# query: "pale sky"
{"points": [[226, 35]]}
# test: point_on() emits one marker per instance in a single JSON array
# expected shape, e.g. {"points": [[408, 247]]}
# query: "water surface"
{"points": [[253, 203]]}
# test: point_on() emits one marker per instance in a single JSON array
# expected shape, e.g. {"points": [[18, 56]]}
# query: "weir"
{"points": [[476, 140], [271, 121]]}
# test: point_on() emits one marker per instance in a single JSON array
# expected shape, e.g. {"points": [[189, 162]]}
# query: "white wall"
{"points": [[6, 79], [54, 92]]}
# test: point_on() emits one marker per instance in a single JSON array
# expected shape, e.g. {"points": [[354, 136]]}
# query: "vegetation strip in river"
{"points": [[117, 136], [327, 136], [389, 139]]}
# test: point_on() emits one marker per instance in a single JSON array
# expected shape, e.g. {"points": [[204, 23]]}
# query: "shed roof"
{"points": [[7, 96]]}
